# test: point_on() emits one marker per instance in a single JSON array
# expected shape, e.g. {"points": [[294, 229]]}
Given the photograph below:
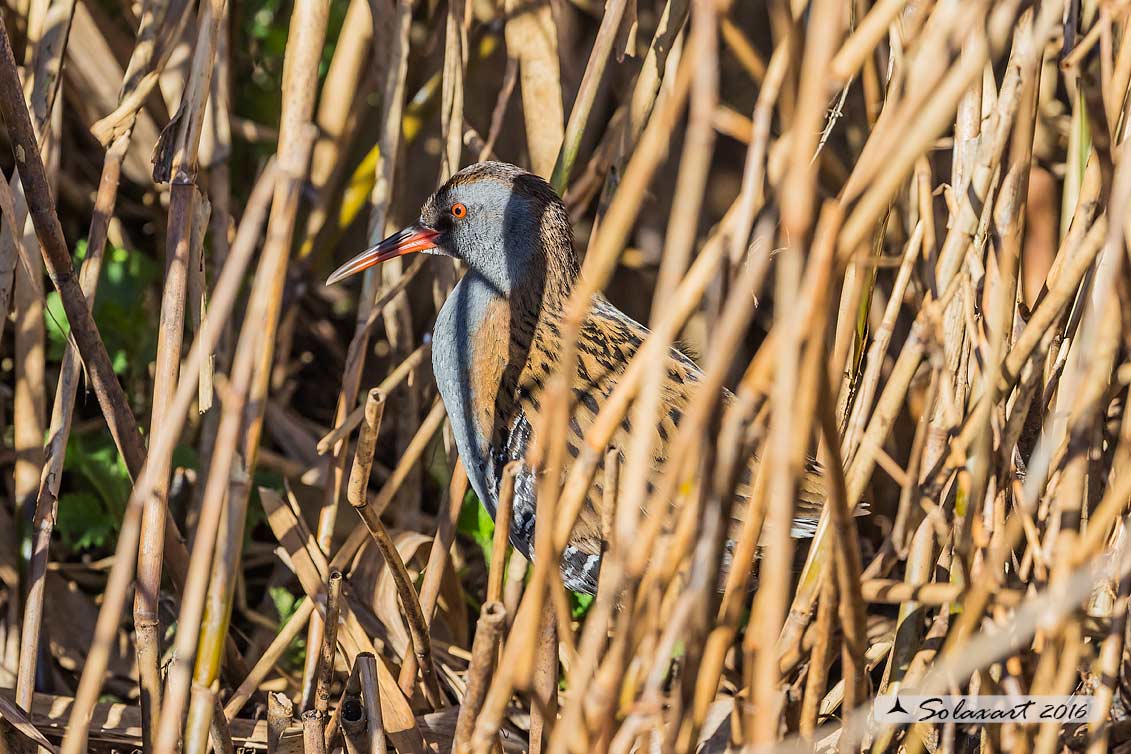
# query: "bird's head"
{"points": [[505, 224]]}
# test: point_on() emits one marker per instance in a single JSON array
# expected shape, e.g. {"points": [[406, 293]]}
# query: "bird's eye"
{"points": [[459, 210]]}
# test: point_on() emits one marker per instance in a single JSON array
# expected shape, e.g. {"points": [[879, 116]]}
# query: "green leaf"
{"points": [[98, 485], [121, 310], [476, 522], [580, 604], [286, 604], [95, 458], [83, 521]]}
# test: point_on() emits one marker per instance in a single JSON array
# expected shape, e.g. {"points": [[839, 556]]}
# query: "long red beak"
{"points": [[415, 238]]}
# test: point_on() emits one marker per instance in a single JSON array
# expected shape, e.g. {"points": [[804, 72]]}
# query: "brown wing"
{"points": [[607, 342]]}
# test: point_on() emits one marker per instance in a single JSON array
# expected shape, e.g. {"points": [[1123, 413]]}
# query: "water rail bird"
{"points": [[497, 340]]}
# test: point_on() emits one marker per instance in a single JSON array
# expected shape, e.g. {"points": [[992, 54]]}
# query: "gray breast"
{"points": [[453, 339], [452, 357]]}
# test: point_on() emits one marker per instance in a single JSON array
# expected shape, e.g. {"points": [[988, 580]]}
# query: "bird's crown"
{"points": [[521, 183]]}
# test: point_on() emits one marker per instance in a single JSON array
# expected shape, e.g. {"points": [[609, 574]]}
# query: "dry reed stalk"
{"points": [[484, 654], [452, 89], [690, 185], [579, 114], [410, 604], [157, 37], [532, 40], [28, 417], [311, 568], [911, 620], [570, 732], [388, 491], [820, 658], [121, 575], [336, 108], [860, 470], [56, 256], [12, 253], [929, 122], [46, 40], [246, 377], [241, 423], [45, 32], [847, 556], [280, 713], [769, 609], [397, 314], [270, 656], [1107, 661], [252, 366], [731, 324], [62, 413], [197, 296], [384, 170], [645, 92], [881, 340], [313, 724], [182, 208], [544, 683], [521, 642], [371, 694], [798, 188], [329, 649], [685, 300], [437, 564], [501, 538], [599, 263], [216, 617], [351, 713]]}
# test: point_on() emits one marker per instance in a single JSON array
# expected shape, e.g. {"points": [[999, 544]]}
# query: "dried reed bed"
{"points": [[896, 230]]}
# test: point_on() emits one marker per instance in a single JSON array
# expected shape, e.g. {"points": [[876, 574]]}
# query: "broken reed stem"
{"points": [[313, 725], [410, 604], [280, 714], [412, 455], [484, 655], [371, 695], [366, 445], [329, 648], [351, 715]]}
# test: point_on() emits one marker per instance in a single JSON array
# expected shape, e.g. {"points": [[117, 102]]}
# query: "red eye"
{"points": [[459, 210]]}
